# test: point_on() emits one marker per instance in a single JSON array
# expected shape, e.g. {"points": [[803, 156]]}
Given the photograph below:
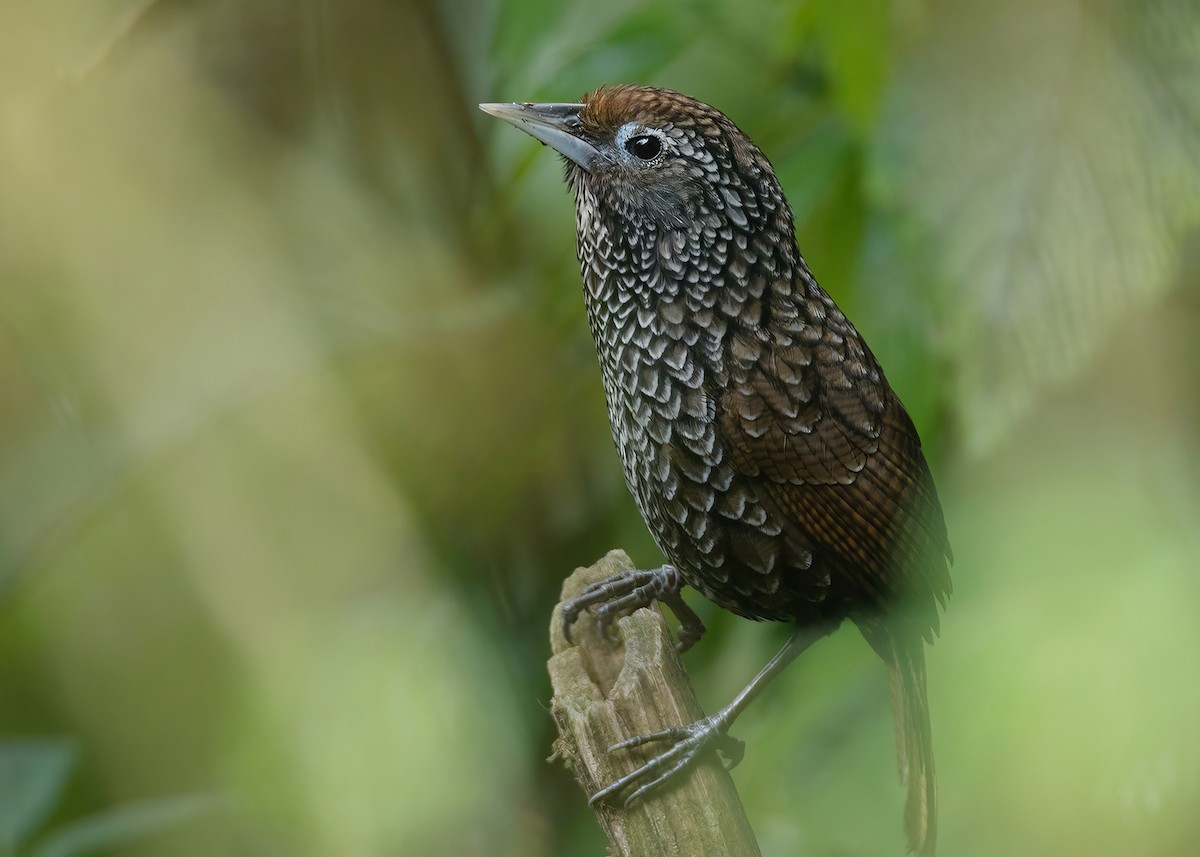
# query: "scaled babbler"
{"points": [[777, 470]]}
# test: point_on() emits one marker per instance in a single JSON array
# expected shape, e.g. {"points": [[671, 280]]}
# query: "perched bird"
{"points": [[777, 470]]}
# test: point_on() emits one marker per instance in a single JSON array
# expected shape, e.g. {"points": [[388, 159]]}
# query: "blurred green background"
{"points": [[300, 427]]}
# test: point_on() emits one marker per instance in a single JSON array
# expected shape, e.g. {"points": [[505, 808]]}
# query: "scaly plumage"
{"points": [[774, 465]]}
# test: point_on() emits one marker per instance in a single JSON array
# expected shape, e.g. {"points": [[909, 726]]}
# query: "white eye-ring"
{"points": [[645, 144]]}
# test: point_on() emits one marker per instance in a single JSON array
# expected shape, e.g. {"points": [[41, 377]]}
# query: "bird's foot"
{"points": [[688, 743], [621, 594]]}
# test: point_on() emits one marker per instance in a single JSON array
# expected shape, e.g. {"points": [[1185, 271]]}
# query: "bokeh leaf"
{"points": [[1039, 149], [32, 775], [539, 56], [124, 825], [856, 42], [812, 169]]}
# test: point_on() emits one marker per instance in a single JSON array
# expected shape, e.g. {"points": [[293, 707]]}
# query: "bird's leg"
{"points": [[690, 741], [623, 593]]}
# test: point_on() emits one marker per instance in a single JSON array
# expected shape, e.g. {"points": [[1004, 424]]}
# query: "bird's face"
{"points": [[652, 158]]}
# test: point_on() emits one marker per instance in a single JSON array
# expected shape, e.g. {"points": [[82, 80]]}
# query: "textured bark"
{"points": [[605, 692]]}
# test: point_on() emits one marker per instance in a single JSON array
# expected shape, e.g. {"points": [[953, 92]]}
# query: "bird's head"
{"points": [[657, 159]]}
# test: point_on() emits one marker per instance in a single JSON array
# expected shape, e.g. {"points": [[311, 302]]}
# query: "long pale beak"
{"points": [[556, 125]]}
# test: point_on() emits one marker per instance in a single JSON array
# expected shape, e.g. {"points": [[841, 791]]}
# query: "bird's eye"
{"points": [[646, 146]]}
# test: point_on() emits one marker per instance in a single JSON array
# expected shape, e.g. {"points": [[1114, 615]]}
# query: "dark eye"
{"points": [[646, 146]]}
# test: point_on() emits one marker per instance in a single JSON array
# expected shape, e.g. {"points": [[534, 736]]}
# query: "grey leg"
{"points": [[688, 742]]}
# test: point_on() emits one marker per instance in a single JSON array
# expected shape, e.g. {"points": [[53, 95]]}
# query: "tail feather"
{"points": [[914, 737]]}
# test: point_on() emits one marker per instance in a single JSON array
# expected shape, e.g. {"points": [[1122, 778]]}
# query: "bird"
{"points": [[777, 470]]}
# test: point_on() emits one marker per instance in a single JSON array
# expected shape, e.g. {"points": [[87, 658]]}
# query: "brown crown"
{"points": [[609, 107]]}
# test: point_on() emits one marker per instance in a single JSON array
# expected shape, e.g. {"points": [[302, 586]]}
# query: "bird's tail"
{"points": [[914, 737]]}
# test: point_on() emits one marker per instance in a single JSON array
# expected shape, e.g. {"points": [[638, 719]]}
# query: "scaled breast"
{"points": [[664, 313]]}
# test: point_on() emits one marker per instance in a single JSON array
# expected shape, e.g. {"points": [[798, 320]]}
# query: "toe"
{"points": [[674, 733]]}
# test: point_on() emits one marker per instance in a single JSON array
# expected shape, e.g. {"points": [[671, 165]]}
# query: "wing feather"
{"points": [[840, 455]]}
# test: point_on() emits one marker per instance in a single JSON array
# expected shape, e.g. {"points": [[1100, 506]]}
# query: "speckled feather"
{"points": [[775, 466], [769, 456]]}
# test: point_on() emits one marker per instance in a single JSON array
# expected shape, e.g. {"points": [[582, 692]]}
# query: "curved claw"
{"points": [[623, 593], [608, 613], [688, 743], [691, 627], [603, 592], [733, 750]]}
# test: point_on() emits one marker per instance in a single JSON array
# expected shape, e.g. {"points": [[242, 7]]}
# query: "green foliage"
{"points": [[33, 775], [123, 826], [1047, 187], [300, 425]]}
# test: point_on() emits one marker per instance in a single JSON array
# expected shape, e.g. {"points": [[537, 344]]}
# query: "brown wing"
{"points": [[808, 414]]}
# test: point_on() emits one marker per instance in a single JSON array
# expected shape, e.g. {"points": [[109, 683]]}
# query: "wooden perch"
{"points": [[605, 692]]}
